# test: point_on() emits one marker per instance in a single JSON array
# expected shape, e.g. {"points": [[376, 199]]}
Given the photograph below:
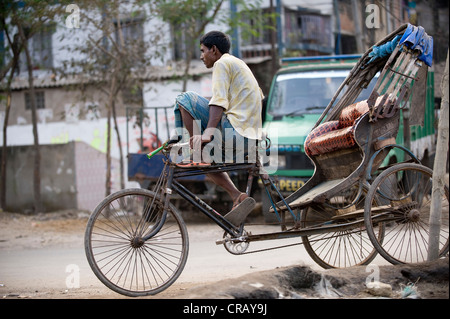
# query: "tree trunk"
{"points": [[37, 153], [110, 106], [4, 159], [119, 142], [3, 171], [108, 152], [16, 48], [186, 72], [439, 171]]}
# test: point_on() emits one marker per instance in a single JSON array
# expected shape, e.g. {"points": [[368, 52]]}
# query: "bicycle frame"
{"points": [[174, 185], [174, 174]]}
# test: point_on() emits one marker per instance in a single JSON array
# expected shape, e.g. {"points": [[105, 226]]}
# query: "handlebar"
{"points": [[163, 146]]}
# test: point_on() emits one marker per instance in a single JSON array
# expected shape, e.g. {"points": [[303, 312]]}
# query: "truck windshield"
{"points": [[307, 92]]}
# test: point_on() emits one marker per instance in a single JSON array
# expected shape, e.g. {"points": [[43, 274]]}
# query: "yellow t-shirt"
{"points": [[235, 89]]}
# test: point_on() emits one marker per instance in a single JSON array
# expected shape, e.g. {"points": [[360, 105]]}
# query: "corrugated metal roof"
{"points": [[43, 81], [154, 73]]}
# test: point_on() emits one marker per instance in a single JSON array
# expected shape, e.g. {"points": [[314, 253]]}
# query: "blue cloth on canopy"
{"points": [[416, 38], [383, 50]]}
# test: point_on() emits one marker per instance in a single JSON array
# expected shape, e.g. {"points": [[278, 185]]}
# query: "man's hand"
{"points": [[197, 141]]}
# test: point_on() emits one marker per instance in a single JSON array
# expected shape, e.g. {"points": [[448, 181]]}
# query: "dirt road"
{"points": [[43, 257]]}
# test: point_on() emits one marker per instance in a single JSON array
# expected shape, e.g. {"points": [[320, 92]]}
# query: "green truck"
{"points": [[299, 93]]}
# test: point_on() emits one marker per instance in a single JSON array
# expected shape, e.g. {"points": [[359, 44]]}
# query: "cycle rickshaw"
{"points": [[353, 207]]}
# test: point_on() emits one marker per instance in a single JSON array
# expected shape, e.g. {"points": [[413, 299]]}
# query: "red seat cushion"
{"points": [[352, 112], [318, 131], [336, 135], [331, 141]]}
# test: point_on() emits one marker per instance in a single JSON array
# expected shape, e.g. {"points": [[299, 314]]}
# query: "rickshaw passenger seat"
{"points": [[394, 85], [335, 135]]}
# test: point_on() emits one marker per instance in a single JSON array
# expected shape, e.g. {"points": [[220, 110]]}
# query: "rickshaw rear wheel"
{"points": [[403, 194], [345, 248]]}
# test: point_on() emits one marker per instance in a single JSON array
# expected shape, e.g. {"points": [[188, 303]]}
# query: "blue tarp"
{"points": [[414, 38]]}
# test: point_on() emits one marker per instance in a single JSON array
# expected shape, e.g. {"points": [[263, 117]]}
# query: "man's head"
{"points": [[213, 45]]}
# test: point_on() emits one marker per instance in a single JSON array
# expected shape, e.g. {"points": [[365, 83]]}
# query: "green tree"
{"points": [[189, 19], [9, 62]]}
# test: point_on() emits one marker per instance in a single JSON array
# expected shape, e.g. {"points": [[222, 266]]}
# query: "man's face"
{"points": [[208, 56]]}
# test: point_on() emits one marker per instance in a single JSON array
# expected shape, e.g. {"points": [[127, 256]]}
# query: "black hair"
{"points": [[217, 38]]}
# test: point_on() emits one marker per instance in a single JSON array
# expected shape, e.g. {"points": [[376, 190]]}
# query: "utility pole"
{"points": [[337, 42], [273, 39], [357, 22]]}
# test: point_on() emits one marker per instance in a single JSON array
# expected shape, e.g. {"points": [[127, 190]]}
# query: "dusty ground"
{"points": [[63, 229]]}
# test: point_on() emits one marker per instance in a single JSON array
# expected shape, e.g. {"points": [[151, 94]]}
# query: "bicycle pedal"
{"points": [[240, 213]]}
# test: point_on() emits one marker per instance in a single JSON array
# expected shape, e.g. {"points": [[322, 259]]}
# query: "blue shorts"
{"points": [[233, 147]]}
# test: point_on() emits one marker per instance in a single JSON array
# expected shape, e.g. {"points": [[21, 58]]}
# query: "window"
{"points": [[42, 48], [184, 45], [133, 36], [40, 100], [132, 30], [258, 22]]}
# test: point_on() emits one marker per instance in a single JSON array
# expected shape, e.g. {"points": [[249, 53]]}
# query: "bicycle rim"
{"points": [[118, 251]]}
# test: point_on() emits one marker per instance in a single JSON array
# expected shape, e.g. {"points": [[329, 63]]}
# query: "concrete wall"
{"points": [[72, 177], [90, 175], [58, 187]]}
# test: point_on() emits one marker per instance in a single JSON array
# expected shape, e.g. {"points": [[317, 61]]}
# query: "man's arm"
{"points": [[215, 115]]}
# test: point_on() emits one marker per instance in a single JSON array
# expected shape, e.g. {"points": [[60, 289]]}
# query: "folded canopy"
{"points": [[415, 38]]}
